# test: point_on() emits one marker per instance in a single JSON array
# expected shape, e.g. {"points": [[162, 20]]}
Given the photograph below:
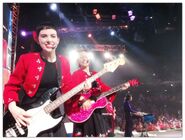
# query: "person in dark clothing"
{"points": [[129, 112], [35, 73]]}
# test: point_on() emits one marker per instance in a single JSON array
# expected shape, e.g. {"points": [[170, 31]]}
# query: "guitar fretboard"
{"points": [[115, 89], [60, 100]]}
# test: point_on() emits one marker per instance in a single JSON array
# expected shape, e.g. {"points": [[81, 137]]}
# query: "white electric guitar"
{"points": [[41, 119]]}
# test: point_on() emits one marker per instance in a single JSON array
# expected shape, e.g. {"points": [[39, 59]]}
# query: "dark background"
{"points": [[153, 43]]}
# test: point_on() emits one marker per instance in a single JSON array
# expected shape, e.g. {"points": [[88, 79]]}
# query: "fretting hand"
{"points": [[87, 86], [125, 86]]}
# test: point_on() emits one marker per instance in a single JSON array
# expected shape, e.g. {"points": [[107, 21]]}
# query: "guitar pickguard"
{"points": [[10, 129]]}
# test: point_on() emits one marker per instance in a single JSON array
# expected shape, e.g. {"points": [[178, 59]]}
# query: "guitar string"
{"points": [[15, 128]]}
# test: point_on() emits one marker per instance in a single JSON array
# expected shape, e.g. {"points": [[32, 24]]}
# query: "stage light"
{"points": [[73, 55], [130, 13], [107, 55], [53, 7], [23, 33], [121, 55], [22, 47], [132, 18], [98, 17], [95, 11], [91, 55], [89, 35], [113, 17], [112, 33]]}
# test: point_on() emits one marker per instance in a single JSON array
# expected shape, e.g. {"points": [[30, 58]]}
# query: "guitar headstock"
{"points": [[112, 66]]}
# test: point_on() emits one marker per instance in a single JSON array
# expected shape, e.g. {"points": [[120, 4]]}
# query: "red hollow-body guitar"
{"points": [[80, 115]]}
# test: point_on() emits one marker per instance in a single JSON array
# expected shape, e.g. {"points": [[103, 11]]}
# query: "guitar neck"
{"points": [[113, 90], [60, 100]]}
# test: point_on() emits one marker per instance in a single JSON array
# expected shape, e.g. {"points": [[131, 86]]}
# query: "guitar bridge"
{"points": [[15, 131]]}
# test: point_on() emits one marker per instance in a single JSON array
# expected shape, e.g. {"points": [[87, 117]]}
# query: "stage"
{"points": [[172, 133]]}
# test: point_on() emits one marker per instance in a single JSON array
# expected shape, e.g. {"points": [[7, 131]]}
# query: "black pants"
{"points": [[128, 127]]}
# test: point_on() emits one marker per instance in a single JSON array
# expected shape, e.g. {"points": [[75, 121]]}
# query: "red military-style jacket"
{"points": [[28, 73], [80, 76]]}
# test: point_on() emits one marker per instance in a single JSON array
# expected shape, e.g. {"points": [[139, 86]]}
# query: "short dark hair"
{"points": [[46, 25], [128, 97]]}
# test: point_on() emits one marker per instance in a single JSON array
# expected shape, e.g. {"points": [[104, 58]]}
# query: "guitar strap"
{"points": [[59, 78], [59, 73]]}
